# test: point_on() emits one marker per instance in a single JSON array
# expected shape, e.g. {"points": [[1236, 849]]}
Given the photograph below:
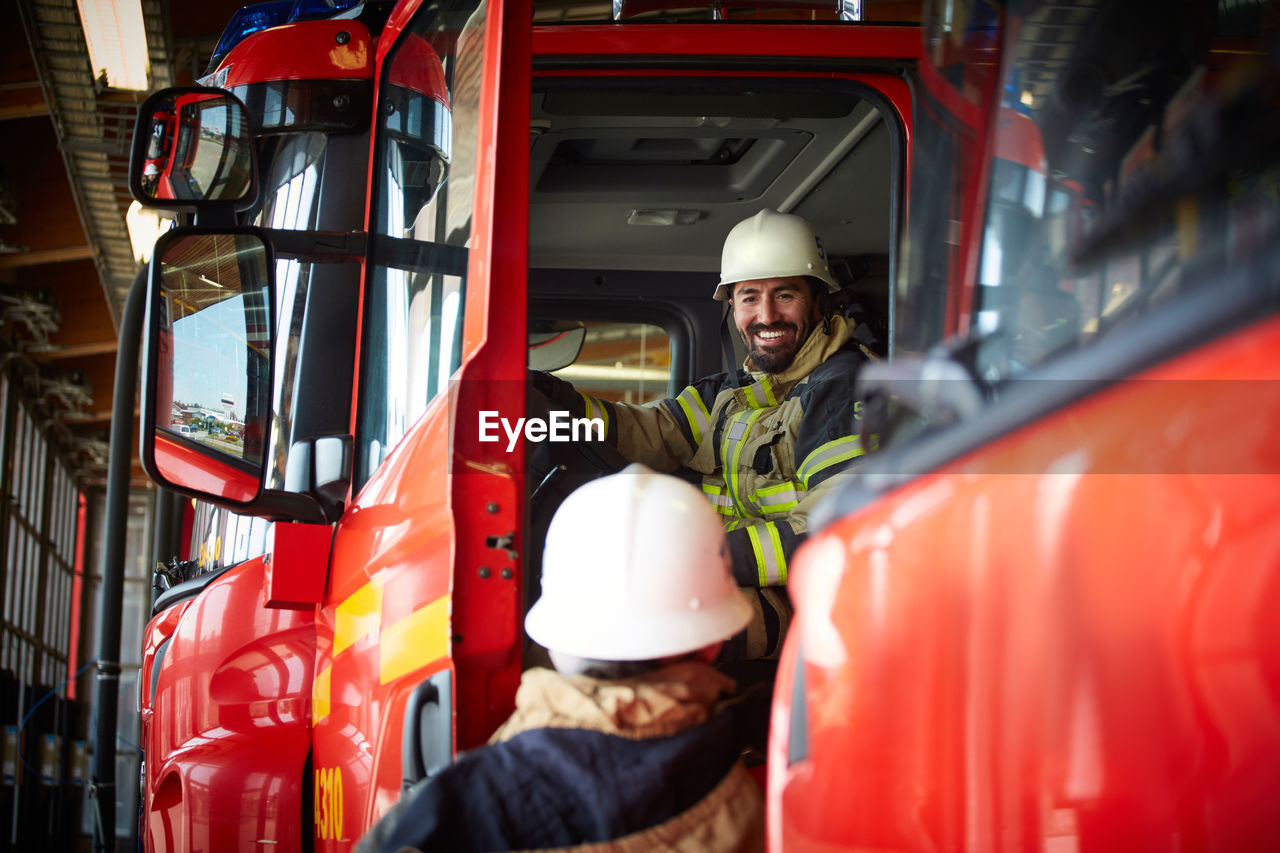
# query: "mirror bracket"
{"points": [[218, 216], [321, 469], [281, 506]]}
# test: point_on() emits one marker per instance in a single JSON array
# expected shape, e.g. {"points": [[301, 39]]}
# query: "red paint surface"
{"points": [[226, 734], [313, 50], [1065, 640]]}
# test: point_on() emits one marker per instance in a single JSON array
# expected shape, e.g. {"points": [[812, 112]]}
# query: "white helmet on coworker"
{"points": [[636, 567], [772, 245]]}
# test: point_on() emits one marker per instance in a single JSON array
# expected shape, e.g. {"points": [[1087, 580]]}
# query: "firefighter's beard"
{"points": [[774, 358]]}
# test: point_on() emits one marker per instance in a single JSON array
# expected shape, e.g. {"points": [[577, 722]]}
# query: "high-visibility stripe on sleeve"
{"points": [[771, 562], [781, 498], [832, 453], [594, 408], [721, 501], [695, 412]]}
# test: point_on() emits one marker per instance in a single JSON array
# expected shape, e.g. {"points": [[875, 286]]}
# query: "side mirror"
{"points": [[551, 350], [207, 369], [193, 148]]}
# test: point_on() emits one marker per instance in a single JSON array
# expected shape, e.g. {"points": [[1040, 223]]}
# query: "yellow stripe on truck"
{"points": [[320, 695], [358, 617], [415, 641]]}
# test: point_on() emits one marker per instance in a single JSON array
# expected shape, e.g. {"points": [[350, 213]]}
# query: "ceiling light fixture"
{"points": [[117, 40], [663, 216]]}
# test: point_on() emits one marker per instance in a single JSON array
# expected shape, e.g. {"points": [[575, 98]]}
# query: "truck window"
{"points": [[421, 200], [625, 362]]}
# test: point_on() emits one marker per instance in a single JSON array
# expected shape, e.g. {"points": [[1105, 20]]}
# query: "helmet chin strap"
{"points": [[726, 344]]}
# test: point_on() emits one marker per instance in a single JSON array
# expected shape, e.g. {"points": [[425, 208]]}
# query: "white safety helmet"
{"points": [[636, 567], [772, 245]]}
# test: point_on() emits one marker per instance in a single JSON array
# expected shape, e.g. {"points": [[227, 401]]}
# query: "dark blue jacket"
{"points": [[557, 788]]}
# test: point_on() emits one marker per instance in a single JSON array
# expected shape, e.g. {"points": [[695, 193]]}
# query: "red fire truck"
{"points": [[441, 196], [1048, 625]]}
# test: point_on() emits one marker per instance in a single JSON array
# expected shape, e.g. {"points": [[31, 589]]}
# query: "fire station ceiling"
{"points": [[650, 176], [65, 258]]}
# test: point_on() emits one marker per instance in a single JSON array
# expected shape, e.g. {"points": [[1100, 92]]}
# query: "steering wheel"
{"points": [[574, 462]]}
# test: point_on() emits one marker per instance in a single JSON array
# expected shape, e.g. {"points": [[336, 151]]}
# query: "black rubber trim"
{"points": [[427, 740], [186, 589]]}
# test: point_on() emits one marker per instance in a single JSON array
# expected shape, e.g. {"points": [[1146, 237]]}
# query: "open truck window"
{"points": [[422, 202]]}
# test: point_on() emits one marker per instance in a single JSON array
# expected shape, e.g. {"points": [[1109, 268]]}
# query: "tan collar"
{"points": [[656, 704]]}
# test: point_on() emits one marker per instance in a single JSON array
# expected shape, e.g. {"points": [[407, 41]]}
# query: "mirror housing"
{"points": [[556, 347], [207, 364], [193, 149]]}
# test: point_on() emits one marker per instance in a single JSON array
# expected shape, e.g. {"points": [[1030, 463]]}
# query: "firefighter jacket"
{"points": [[767, 445], [641, 764]]}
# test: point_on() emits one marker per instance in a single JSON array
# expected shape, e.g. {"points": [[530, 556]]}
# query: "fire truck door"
{"points": [[424, 583]]}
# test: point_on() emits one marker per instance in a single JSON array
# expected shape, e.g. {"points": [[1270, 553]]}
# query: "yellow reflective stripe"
{"points": [[732, 452], [781, 498], [831, 453], [717, 497], [778, 555], [414, 641], [771, 562], [320, 695], [760, 394], [732, 524], [768, 391], [594, 408], [754, 536], [695, 412], [359, 616]]}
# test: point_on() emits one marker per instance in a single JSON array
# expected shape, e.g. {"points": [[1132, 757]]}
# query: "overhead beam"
{"points": [[22, 100], [12, 260]]}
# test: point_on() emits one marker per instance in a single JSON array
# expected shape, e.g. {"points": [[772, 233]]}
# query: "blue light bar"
{"points": [[306, 10], [247, 21], [262, 16]]}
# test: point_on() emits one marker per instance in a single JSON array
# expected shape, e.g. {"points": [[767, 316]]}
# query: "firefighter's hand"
{"points": [[557, 393]]}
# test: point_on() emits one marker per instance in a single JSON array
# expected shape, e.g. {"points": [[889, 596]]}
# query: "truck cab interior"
{"points": [[635, 183]]}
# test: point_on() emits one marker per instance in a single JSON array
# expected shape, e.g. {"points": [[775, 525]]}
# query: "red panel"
{"points": [[1066, 640], [724, 39], [184, 466], [229, 733], [298, 564], [311, 50]]}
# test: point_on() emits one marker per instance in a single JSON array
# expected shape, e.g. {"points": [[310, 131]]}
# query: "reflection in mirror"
{"points": [[198, 147], [555, 348], [213, 364]]}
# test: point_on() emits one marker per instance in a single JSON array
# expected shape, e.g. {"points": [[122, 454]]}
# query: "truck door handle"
{"points": [[427, 742]]}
